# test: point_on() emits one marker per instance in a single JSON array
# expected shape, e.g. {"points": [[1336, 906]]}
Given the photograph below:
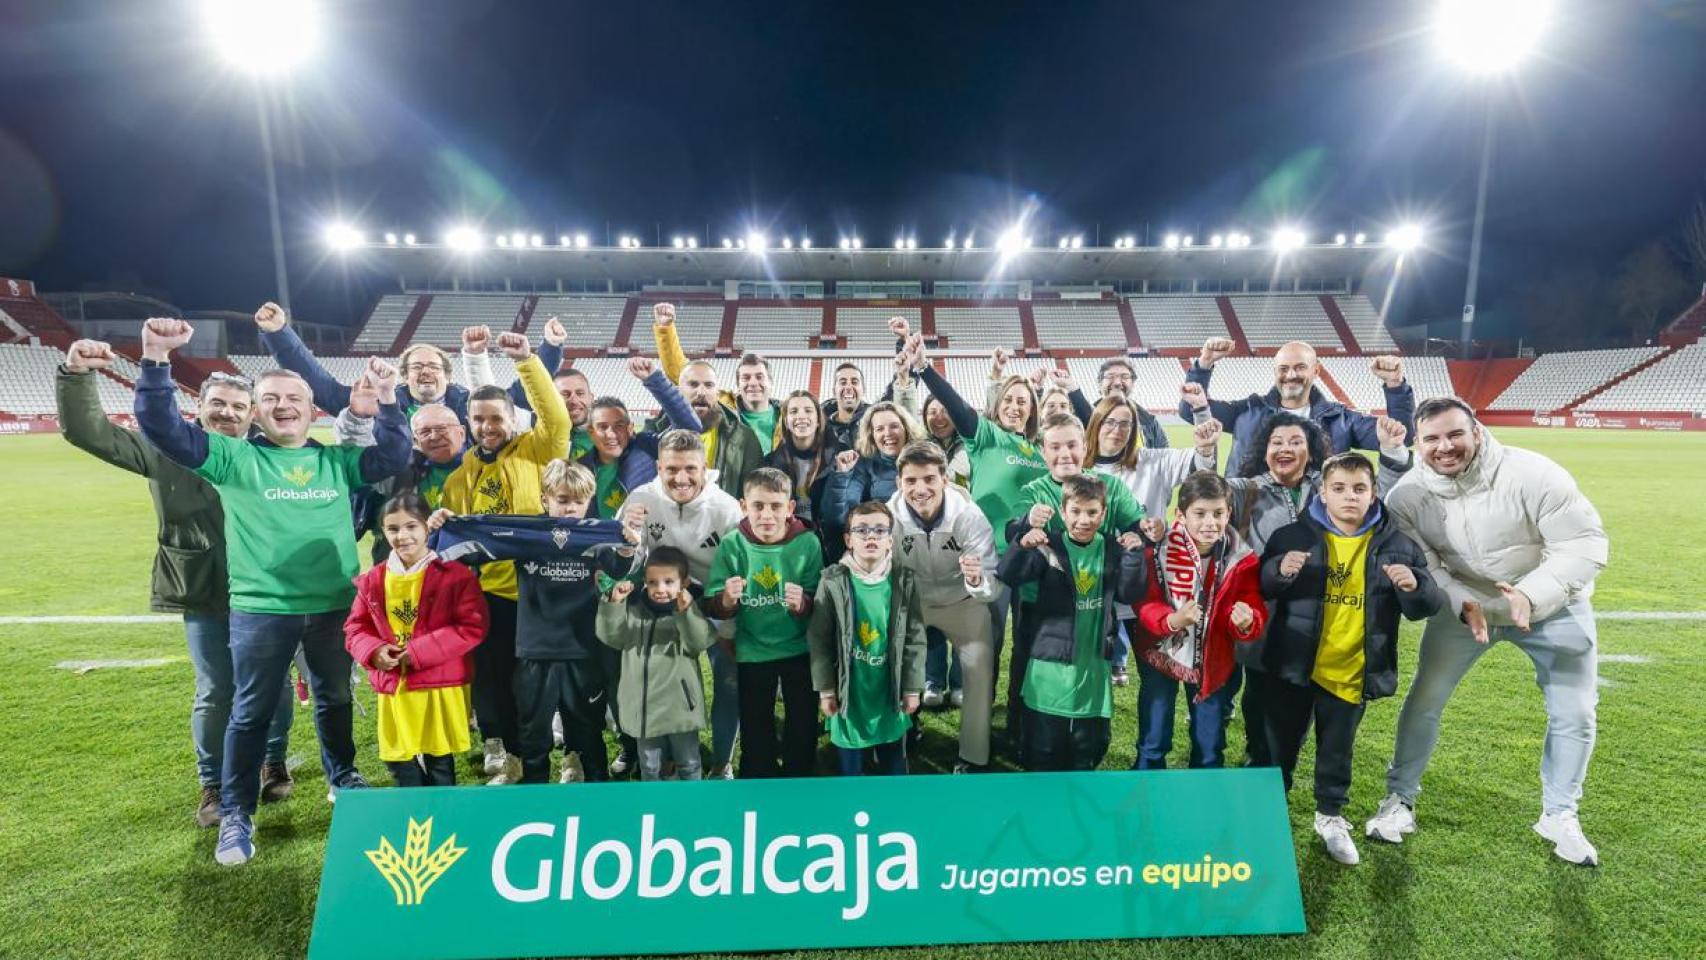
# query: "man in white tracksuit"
{"points": [[686, 512], [943, 538], [1516, 547]]}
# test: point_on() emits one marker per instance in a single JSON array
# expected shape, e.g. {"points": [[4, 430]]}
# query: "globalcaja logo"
{"points": [[867, 633], [613, 502], [415, 871], [298, 475], [1085, 581], [1026, 450], [767, 578]]}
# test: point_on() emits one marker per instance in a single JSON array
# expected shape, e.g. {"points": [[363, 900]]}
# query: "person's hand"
{"points": [[1214, 348], [1033, 539], [1476, 620], [683, 601], [641, 367], [270, 317], [971, 568], [1061, 379], [1401, 576], [1193, 395], [829, 703], [733, 588], [634, 522], [437, 518], [1390, 370], [1130, 541], [1036, 378], [794, 598], [920, 357], [1153, 527], [1242, 617], [846, 460], [1522, 608], [404, 660], [86, 355], [663, 314], [162, 335], [998, 363], [475, 339], [1207, 436], [385, 658], [1293, 562], [1391, 433], [909, 703], [364, 397], [621, 590], [515, 346], [555, 333], [900, 327], [1039, 515], [384, 378], [1188, 615]]}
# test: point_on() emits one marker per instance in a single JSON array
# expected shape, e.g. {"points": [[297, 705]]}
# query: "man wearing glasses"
{"points": [[1117, 377]]}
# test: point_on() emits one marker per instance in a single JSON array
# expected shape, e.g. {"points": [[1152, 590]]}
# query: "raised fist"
{"points": [[1214, 348], [641, 367], [384, 378], [364, 397], [514, 346], [900, 327], [1206, 435], [621, 590], [1194, 395], [270, 317], [663, 314], [86, 355], [1390, 370], [1242, 617], [1130, 541], [1039, 516], [846, 460], [475, 339], [1401, 576], [971, 568], [733, 588], [162, 335], [634, 522], [555, 333], [794, 597], [1391, 433], [1033, 539], [1292, 562], [998, 363], [1188, 615], [1061, 379], [1036, 377]]}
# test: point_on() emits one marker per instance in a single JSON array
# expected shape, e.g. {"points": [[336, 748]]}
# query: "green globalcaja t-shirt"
{"points": [[764, 629], [870, 716], [607, 495], [763, 423], [1080, 688], [289, 535], [1123, 511], [1001, 463]]}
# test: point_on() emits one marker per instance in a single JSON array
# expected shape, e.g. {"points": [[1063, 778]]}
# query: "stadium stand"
{"points": [[878, 372], [590, 320], [1090, 324], [1156, 386], [1361, 388], [697, 323], [1556, 380], [1271, 321], [777, 328], [980, 327], [1364, 323], [447, 315], [867, 328], [1237, 377], [385, 323], [970, 375], [1675, 384], [26, 382], [1175, 322]]}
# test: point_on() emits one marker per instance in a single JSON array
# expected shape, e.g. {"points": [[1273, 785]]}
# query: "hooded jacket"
{"points": [[872, 478], [1346, 429], [834, 628], [1239, 576], [838, 435], [638, 464], [1294, 625], [932, 551], [1124, 575], [1510, 516], [450, 623], [695, 527], [661, 691]]}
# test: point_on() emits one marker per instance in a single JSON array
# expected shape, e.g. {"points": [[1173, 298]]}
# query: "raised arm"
{"points": [[961, 413], [668, 341], [551, 423], [293, 355], [156, 395], [666, 393], [81, 420], [550, 353], [389, 454]]}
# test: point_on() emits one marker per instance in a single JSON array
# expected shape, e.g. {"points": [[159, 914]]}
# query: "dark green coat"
{"points": [[189, 563], [831, 635], [661, 691]]}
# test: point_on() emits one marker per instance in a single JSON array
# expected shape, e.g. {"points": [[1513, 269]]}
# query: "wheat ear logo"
{"points": [[1085, 581], [767, 578], [411, 874], [867, 634], [298, 475]]}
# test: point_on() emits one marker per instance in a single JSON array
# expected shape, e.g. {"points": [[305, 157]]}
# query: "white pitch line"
{"points": [[147, 618]]}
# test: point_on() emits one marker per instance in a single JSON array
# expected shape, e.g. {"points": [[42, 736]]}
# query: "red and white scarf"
{"points": [[1185, 575]]}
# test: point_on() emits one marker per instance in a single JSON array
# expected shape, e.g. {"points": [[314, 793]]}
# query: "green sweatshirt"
{"points": [[764, 629], [1001, 463]]}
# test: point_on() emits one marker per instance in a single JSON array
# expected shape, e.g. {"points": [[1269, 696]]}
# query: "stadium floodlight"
{"points": [[787, 243], [1063, 243], [858, 244], [342, 236], [502, 240], [536, 241], [740, 244], [391, 239], [1405, 237], [465, 239], [967, 245], [692, 243], [949, 243], [263, 37], [581, 241], [1077, 243], [1287, 239], [408, 239], [1170, 241], [1338, 239], [679, 243], [728, 244], [757, 241], [1187, 240], [805, 243], [900, 243], [1216, 241], [1490, 36], [1360, 239], [846, 244]]}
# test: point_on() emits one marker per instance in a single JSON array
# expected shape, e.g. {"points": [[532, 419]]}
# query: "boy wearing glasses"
{"points": [[867, 646]]}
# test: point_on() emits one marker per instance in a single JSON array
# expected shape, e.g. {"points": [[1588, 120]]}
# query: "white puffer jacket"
{"points": [[1512, 516], [695, 527], [934, 555]]}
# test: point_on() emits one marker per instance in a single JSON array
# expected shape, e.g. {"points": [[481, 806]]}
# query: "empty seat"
{"points": [[1176, 321], [1555, 380]]}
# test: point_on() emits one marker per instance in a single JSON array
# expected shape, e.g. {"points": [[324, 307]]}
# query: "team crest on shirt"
{"points": [[1026, 450], [867, 633], [613, 502], [1085, 581], [767, 578], [654, 531], [906, 544], [1338, 573], [298, 475]]}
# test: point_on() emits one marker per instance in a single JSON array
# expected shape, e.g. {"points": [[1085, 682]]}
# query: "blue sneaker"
{"points": [[351, 781], [236, 840]]}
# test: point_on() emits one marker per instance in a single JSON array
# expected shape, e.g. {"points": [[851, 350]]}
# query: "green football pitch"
{"points": [[100, 858]]}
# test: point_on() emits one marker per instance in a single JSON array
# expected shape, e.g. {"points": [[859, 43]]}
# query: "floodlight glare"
{"points": [[967, 244], [1360, 239], [756, 241], [391, 239], [1490, 36], [846, 244], [787, 243], [536, 241], [1405, 238], [1077, 243], [1009, 241], [462, 238], [565, 241], [1187, 241], [692, 243], [678, 243], [503, 241], [728, 244], [1338, 239], [805, 243], [408, 239], [740, 244], [263, 37], [1171, 241], [342, 236], [581, 241], [858, 244], [1287, 239]]}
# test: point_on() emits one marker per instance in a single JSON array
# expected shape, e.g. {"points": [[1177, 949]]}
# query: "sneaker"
{"points": [[1336, 833], [351, 781], [236, 840], [1394, 819], [721, 771], [557, 731], [276, 782], [623, 765], [1568, 842], [932, 699], [1121, 678], [510, 773], [207, 811], [966, 766], [495, 757], [957, 698], [572, 772]]}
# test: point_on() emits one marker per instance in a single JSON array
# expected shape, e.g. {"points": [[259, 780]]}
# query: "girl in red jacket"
{"points": [[1204, 595], [414, 624]]}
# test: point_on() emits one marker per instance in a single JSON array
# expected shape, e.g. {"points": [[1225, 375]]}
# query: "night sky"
{"points": [[130, 156]]}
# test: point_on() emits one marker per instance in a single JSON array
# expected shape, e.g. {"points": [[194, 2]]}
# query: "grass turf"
{"points": [[97, 780]]}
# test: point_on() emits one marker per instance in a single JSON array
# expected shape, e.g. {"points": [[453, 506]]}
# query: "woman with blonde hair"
{"points": [[867, 472]]}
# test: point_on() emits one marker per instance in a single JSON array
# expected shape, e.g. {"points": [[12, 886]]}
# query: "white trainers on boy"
{"points": [[1394, 819], [1336, 833]]}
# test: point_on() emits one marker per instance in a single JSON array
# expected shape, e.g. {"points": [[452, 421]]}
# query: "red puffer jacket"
{"points": [[1242, 582], [451, 622]]}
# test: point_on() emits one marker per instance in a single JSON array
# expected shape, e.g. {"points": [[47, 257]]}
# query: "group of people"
{"points": [[545, 567]]}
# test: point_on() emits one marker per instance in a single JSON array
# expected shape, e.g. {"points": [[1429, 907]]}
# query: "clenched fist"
{"points": [[1188, 615], [634, 522], [641, 367], [1293, 562], [1391, 433], [900, 327], [1039, 515], [1401, 576], [1033, 539], [475, 339], [384, 379], [734, 588], [794, 598], [86, 355], [555, 333], [162, 335], [1207, 436], [364, 397], [514, 346], [270, 317], [971, 568], [1193, 395], [846, 460], [1214, 348], [663, 314], [621, 590], [1242, 617], [1390, 370], [998, 363]]}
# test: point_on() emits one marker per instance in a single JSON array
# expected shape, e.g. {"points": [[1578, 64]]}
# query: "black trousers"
{"points": [[428, 771], [1023, 616], [1065, 743], [758, 746], [494, 675], [577, 690], [612, 659], [1256, 682], [1289, 709]]}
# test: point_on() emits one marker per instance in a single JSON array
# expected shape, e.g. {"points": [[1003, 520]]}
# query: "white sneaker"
{"points": [[932, 699], [1568, 842], [721, 771], [623, 763], [509, 773], [495, 757], [957, 698], [557, 730], [1394, 819], [1336, 833], [572, 772]]}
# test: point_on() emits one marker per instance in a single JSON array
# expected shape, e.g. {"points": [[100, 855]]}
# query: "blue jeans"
{"points": [[209, 636], [1122, 643], [1156, 693], [889, 759], [262, 645], [941, 662], [725, 706]]}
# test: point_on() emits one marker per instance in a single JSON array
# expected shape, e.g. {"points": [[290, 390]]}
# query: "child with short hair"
{"points": [[763, 577], [1204, 595], [414, 625], [867, 646], [1080, 574], [1339, 579], [660, 634]]}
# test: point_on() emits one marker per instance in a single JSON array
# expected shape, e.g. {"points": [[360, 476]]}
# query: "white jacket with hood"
{"points": [[1511, 516], [695, 527], [933, 554]]}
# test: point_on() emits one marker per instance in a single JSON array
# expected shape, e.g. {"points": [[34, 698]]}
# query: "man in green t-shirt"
{"points": [[621, 459], [290, 553], [763, 577]]}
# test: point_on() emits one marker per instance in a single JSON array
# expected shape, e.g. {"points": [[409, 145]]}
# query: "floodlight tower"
{"points": [[1487, 39], [265, 39]]}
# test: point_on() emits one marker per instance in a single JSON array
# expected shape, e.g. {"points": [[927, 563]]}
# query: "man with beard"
{"points": [[732, 448], [290, 556], [841, 414], [1295, 391], [571, 384], [189, 564]]}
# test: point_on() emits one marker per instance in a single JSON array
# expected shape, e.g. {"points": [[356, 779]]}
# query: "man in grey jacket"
{"points": [[1516, 547]]}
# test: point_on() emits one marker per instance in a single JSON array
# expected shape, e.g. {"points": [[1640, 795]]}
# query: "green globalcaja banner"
{"points": [[649, 868]]}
